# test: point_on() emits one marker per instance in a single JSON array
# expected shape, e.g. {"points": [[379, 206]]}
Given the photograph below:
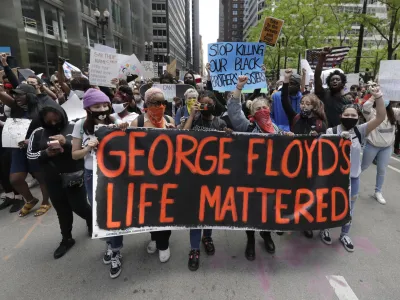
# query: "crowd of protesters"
{"points": [[58, 151]]}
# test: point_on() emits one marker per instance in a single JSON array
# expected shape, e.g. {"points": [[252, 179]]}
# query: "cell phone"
{"points": [[54, 145], [204, 106]]}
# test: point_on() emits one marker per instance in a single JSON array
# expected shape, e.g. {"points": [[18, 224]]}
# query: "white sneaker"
{"points": [[378, 196], [164, 255], [152, 247]]}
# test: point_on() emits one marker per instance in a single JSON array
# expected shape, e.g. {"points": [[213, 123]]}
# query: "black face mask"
{"points": [[293, 90], [348, 123], [305, 113], [100, 115], [190, 82], [53, 128]]}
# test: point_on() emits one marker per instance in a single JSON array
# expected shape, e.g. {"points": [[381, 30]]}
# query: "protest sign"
{"points": [[74, 108], [271, 31], [104, 48], [169, 90], [103, 68], [171, 68], [129, 65], [14, 131], [148, 67], [150, 179], [68, 68], [309, 72], [352, 79], [179, 90], [230, 60], [155, 67], [264, 91], [389, 79]]}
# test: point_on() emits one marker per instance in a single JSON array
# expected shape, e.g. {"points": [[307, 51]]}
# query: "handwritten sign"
{"points": [[389, 79], [14, 131], [271, 31], [129, 65], [104, 48], [169, 90], [103, 68], [230, 60], [148, 67]]}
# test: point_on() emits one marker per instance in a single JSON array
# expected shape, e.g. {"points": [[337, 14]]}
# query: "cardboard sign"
{"points": [[171, 68], [163, 179], [103, 68], [230, 60], [389, 79], [271, 31], [179, 90], [148, 67]]}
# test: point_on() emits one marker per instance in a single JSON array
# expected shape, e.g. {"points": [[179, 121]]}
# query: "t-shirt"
{"points": [[333, 106], [355, 151], [216, 124], [78, 133]]}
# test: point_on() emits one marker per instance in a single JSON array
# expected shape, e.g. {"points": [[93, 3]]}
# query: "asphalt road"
{"points": [[300, 269]]}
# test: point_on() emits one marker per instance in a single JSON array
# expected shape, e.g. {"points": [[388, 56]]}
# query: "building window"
{"points": [[116, 13], [234, 12], [235, 5], [235, 19], [118, 44]]}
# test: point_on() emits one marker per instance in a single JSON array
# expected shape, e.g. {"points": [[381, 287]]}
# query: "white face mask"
{"points": [[119, 108]]}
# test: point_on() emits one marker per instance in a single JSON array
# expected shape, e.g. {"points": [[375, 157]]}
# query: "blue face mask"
{"points": [[387, 102]]}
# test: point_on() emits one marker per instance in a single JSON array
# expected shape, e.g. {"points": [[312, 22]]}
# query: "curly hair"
{"points": [[336, 72]]}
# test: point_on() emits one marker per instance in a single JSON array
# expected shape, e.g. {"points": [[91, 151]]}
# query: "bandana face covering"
{"points": [[189, 104], [262, 117], [156, 115]]}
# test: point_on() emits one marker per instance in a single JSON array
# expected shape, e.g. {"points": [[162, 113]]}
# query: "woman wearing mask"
{"points": [[52, 148], [122, 106], [139, 103], [379, 143], [260, 122], [190, 79], [184, 112], [98, 108], [310, 120], [203, 121], [357, 133]]}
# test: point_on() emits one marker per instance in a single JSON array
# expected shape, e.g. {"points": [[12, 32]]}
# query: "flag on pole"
{"points": [[333, 59], [68, 68]]}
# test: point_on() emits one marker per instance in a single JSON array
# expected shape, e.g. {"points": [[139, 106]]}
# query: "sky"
{"points": [[209, 23]]}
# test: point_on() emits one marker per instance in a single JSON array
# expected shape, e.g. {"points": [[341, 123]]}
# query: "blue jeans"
{"points": [[383, 156], [354, 189], [195, 237], [88, 177], [115, 242]]}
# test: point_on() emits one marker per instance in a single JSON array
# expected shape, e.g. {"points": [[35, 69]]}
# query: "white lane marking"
{"points": [[396, 159], [394, 169], [342, 290]]}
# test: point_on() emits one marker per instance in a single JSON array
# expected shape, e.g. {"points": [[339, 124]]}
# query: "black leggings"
{"points": [[66, 201], [250, 235], [161, 238], [5, 166]]}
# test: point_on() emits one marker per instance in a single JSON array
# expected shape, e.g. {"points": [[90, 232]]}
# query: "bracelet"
{"points": [[238, 88]]}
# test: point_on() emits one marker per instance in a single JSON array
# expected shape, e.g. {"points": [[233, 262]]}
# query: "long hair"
{"points": [[318, 107], [88, 125]]}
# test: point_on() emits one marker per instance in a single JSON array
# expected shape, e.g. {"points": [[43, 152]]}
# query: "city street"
{"points": [[300, 269]]}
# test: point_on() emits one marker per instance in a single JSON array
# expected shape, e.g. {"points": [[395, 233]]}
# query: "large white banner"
{"points": [[389, 79], [103, 68]]}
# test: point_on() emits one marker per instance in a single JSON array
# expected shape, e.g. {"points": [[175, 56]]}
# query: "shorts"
{"points": [[21, 164]]}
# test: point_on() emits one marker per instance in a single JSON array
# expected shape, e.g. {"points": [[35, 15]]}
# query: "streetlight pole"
{"points": [[360, 40], [102, 23], [279, 60]]}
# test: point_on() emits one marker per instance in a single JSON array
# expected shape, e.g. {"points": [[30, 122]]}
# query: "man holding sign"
{"points": [[230, 60]]}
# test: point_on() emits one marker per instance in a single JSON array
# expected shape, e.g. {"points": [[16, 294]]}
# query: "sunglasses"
{"points": [[158, 103]]}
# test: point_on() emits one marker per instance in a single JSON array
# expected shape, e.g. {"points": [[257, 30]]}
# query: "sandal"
{"points": [[42, 210], [27, 207]]}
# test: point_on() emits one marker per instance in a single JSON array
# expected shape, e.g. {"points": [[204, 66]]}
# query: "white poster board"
{"points": [[325, 75], [103, 68], [310, 74], [148, 67], [104, 48], [389, 79], [14, 131], [129, 65], [169, 90], [352, 79], [74, 108]]}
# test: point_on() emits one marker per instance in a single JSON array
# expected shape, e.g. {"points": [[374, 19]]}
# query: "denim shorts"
{"points": [[21, 164]]}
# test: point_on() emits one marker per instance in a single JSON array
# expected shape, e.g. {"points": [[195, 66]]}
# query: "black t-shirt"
{"points": [[216, 124], [333, 106], [304, 126]]}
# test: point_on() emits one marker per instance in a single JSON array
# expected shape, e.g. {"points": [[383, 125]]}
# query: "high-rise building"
{"points": [[201, 67], [231, 13], [196, 35], [38, 31], [252, 15]]}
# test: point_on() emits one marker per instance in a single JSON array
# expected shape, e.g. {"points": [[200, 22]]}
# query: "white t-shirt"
{"points": [[78, 133], [127, 119]]}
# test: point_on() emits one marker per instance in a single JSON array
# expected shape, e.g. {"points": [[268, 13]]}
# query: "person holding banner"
{"points": [[379, 143], [357, 134], [260, 123], [52, 148]]}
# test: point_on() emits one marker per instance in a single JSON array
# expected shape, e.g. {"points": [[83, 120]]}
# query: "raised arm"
{"points": [[8, 72], [380, 110], [6, 98], [368, 110], [61, 77], [287, 107], [319, 90], [303, 80], [235, 113]]}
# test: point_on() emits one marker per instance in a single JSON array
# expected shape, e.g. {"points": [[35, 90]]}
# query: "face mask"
{"points": [[190, 82], [208, 110], [137, 98], [293, 90], [100, 115], [305, 113], [348, 123], [54, 128], [119, 108], [387, 102], [156, 115], [262, 117], [189, 104]]}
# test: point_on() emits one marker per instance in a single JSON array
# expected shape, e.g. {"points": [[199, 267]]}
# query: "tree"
{"points": [[388, 29]]}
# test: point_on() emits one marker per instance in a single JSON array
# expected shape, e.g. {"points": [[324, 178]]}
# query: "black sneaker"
{"points": [[194, 260], [308, 234], [6, 203], [347, 243], [107, 255], [250, 251], [279, 233], [65, 245], [209, 245], [116, 265], [268, 242], [325, 236], [17, 205]]}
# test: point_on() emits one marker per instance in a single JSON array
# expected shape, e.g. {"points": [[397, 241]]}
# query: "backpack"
{"points": [[356, 131], [318, 123], [140, 120]]}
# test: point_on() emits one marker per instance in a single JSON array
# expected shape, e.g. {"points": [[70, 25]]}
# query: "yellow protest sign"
{"points": [[271, 31]]}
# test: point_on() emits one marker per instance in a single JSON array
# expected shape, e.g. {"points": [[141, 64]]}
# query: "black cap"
{"points": [[24, 89]]}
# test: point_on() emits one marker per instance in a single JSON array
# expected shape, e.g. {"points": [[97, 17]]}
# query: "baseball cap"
{"points": [[24, 89]]}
